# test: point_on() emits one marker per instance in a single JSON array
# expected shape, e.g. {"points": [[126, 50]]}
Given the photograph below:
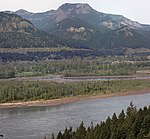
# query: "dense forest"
{"points": [[132, 124], [17, 90], [55, 55], [10, 56], [34, 56]]}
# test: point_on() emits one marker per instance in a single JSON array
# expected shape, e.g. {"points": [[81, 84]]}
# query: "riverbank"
{"points": [[69, 99]]}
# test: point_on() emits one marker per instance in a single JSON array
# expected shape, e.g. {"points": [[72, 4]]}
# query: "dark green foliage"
{"points": [[59, 136], [23, 40], [115, 127], [146, 124], [80, 132], [52, 137], [7, 74], [17, 90]]}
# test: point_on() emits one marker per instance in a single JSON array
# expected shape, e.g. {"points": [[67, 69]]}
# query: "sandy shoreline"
{"points": [[68, 99]]}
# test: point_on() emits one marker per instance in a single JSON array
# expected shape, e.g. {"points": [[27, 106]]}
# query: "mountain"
{"points": [[74, 28], [19, 32], [78, 33], [84, 12], [48, 19], [11, 22], [127, 37], [42, 21], [79, 25]]}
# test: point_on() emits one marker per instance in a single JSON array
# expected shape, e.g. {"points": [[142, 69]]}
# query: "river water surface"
{"points": [[36, 122], [86, 78]]}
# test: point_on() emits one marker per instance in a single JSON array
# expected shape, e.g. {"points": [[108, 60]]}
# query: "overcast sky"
{"points": [[137, 10]]}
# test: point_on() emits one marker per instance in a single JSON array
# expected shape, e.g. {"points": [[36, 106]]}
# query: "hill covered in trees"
{"points": [[17, 32], [134, 124]]}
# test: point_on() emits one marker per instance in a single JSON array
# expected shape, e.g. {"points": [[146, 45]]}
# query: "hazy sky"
{"points": [[138, 10]]}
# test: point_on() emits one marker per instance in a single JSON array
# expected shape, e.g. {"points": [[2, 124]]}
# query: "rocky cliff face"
{"points": [[67, 10]]}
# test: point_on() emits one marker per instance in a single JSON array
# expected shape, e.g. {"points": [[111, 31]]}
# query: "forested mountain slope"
{"points": [[19, 32]]}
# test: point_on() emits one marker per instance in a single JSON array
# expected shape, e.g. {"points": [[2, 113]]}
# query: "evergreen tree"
{"points": [[123, 127], [81, 132], [121, 116], [59, 136], [66, 134], [114, 126], [52, 137], [146, 125], [121, 132]]}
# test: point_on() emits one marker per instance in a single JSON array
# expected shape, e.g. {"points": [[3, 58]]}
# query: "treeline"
{"points": [[57, 55], [86, 67], [54, 55], [44, 55], [72, 67], [23, 90], [7, 74], [134, 124]]}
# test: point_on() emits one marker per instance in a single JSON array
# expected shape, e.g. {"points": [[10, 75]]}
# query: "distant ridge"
{"points": [[80, 10]]}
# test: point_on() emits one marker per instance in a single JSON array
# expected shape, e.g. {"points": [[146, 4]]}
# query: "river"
{"points": [[36, 122], [58, 78]]}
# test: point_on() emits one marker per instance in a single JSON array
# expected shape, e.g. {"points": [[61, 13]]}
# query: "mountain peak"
{"points": [[68, 9], [22, 11], [78, 8]]}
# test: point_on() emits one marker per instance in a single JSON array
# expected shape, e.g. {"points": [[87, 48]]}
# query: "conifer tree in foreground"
{"points": [[134, 124]]}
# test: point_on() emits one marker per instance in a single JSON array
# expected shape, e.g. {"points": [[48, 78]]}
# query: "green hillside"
{"points": [[18, 32]]}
